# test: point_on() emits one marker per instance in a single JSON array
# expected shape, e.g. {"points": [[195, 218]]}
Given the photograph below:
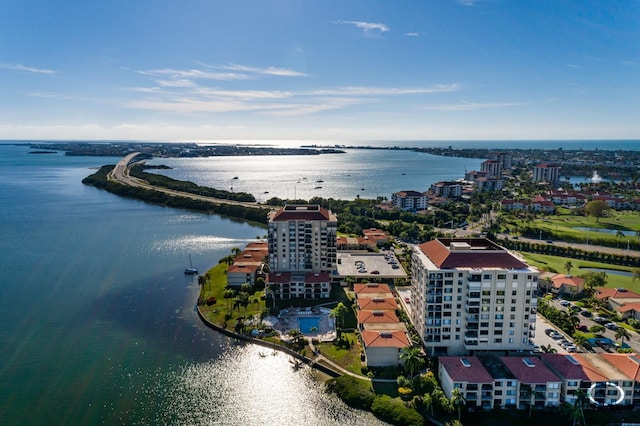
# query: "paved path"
{"points": [[120, 173], [320, 359]]}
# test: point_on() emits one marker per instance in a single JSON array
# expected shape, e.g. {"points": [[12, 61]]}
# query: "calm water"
{"points": [[364, 173], [98, 321], [97, 318]]}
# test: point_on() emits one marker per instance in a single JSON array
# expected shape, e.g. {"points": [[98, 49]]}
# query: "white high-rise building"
{"points": [[302, 251], [472, 295]]}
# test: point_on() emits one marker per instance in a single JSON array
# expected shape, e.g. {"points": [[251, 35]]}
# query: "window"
{"points": [[554, 385], [514, 293], [486, 292], [572, 383], [502, 276], [510, 340], [486, 277], [497, 340]]}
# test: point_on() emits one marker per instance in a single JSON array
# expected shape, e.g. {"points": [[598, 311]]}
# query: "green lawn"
{"points": [[556, 264], [563, 227], [341, 354], [215, 287]]}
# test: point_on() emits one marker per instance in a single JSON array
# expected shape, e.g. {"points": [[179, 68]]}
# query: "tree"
{"points": [[580, 340], [427, 400], [568, 266], [548, 349], [458, 400], [593, 280], [597, 209], [619, 234], [410, 357], [622, 334], [296, 336], [338, 313], [636, 274], [579, 402]]}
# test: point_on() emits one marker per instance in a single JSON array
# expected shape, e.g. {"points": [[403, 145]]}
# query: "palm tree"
{"points": [[619, 234], [579, 402], [296, 336], [568, 266], [410, 357], [458, 400], [636, 274], [579, 340], [622, 334], [548, 349], [427, 400]]}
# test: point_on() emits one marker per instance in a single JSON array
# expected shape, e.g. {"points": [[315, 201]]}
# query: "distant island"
{"points": [[171, 150]]}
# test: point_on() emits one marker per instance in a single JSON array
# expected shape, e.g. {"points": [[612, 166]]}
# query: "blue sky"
{"points": [[319, 70]]}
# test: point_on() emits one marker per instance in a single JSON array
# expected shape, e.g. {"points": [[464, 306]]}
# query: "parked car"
{"points": [[582, 328], [612, 326], [586, 314], [565, 303], [555, 335], [601, 320]]}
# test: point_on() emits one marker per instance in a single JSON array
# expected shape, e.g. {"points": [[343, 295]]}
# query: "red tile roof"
{"points": [[279, 277], [371, 288], [322, 277], [584, 370], [474, 373], [483, 254], [385, 339], [538, 373], [243, 269], [301, 212], [570, 280], [369, 317], [629, 364], [376, 304], [629, 307], [603, 293]]}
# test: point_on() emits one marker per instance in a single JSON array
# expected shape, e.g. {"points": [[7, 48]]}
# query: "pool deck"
{"points": [[288, 319]]}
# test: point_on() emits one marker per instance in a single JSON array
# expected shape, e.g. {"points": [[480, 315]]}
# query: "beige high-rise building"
{"points": [[472, 295], [302, 251]]}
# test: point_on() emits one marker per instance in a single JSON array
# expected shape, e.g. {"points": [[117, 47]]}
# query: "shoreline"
{"points": [[308, 361]]}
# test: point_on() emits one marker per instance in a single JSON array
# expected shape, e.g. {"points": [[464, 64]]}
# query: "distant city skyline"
{"points": [[191, 70]]}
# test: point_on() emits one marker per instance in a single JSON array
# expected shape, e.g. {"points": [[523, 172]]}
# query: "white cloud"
{"points": [[370, 29], [376, 91], [193, 74], [19, 67], [468, 2], [283, 72], [472, 106], [412, 34], [573, 66]]}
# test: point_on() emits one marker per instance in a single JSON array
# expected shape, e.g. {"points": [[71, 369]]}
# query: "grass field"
{"points": [[565, 226], [556, 264], [215, 287]]}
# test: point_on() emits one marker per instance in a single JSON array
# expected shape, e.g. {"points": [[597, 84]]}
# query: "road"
{"points": [[585, 247], [634, 343], [120, 173]]}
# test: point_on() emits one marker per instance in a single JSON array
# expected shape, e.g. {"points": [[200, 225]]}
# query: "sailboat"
{"points": [[191, 270]]}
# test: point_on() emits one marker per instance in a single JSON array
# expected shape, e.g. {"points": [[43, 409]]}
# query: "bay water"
{"points": [[97, 319]]}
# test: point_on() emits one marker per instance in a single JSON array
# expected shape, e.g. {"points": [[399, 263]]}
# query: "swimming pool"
{"points": [[307, 323]]}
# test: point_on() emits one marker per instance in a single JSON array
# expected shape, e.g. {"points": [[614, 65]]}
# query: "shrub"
{"points": [[354, 392], [395, 411]]}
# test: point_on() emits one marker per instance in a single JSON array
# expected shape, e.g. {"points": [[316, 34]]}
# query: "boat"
{"points": [[318, 187], [191, 270], [319, 181], [235, 177]]}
